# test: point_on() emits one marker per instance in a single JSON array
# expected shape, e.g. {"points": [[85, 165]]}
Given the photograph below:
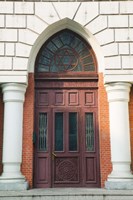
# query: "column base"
{"points": [[14, 186], [13, 182], [119, 185]]}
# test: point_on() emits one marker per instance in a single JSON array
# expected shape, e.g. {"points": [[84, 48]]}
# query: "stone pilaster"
{"points": [[13, 97], [118, 97]]}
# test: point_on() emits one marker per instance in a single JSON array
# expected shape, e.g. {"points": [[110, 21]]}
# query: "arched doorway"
{"points": [[66, 113]]}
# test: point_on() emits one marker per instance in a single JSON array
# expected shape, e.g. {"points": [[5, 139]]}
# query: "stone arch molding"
{"points": [[58, 26]]}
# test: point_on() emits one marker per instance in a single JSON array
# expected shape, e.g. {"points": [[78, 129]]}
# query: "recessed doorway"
{"points": [[66, 147]]}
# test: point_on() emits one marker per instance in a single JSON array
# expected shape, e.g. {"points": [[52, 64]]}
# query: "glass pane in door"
{"points": [[89, 129], [73, 131], [59, 131], [42, 132]]}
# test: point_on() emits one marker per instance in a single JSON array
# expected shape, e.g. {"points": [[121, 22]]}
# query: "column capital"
{"points": [[13, 92], [118, 91]]}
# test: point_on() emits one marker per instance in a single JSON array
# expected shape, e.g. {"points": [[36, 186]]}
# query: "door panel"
{"points": [[73, 98], [42, 149], [66, 156], [66, 150], [90, 151], [42, 167], [90, 170], [66, 171]]}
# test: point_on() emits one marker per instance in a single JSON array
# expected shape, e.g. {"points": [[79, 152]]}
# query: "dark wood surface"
{"points": [[68, 168]]}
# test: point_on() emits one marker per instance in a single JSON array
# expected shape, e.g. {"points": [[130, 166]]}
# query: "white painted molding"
{"points": [[112, 78]]}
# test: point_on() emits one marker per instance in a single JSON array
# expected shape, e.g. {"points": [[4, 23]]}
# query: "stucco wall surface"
{"points": [[25, 26]]}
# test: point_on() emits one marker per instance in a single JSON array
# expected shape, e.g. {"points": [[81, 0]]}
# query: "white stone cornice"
{"points": [[13, 77]]}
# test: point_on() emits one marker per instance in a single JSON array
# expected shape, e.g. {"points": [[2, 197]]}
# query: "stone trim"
{"points": [[13, 97], [118, 98]]}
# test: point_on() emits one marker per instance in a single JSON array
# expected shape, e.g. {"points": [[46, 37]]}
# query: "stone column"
{"points": [[13, 97], [118, 97]]}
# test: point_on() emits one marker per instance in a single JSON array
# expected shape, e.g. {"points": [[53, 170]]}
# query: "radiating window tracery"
{"points": [[65, 51]]}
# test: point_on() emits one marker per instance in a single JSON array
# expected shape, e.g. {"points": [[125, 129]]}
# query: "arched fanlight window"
{"points": [[65, 51]]}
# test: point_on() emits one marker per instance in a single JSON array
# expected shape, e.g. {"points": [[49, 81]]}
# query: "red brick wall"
{"points": [[1, 128], [27, 156], [104, 136], [104, 133]]}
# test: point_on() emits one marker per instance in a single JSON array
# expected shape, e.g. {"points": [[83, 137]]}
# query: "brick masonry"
{"points": [[28, 127], [104, 137], [22, 23], [104, 133]]}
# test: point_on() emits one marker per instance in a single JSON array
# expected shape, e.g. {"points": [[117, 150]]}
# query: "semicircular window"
{"points": [[65, 51]]}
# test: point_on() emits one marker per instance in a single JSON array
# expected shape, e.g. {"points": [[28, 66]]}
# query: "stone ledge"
{"points": [[119, 185], [17, 186], [71, 192]]}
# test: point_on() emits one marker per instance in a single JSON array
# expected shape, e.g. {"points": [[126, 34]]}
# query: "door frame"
{"points": [[87, 85]]}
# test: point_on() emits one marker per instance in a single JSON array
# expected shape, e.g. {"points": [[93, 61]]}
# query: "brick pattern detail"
{"points": [[1, 128], [104, 133], [27, 156]]}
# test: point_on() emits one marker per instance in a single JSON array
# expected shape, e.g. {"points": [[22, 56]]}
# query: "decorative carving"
{"points": [[66, 169], [65, 51], [66, 59]]}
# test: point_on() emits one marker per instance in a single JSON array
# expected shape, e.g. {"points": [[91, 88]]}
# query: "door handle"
{"points": [[53, 154]]}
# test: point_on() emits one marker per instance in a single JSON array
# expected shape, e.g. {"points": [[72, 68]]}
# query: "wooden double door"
{"points": [[66, 138]]}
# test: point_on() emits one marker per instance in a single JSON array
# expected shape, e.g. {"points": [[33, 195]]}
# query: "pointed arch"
{"points": [[66, 88], [65, 23], [65, 52]]}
